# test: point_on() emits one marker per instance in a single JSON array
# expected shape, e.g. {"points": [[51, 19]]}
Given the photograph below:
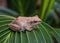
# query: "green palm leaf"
{"points": [[11, 38], [25, 7], [8, 12], [24, 37], [53, 32], [17, 36], [45, 33], [46, 6], [41, 35], [4, 29]]}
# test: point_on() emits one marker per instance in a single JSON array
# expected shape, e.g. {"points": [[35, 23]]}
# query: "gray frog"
{"points": [[25, 23]]}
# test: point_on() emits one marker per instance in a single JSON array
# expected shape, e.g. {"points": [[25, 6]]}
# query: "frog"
{"points": [[22, 23]]}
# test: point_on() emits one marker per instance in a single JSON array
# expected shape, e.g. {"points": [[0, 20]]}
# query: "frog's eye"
{"points": [[35, 21]]}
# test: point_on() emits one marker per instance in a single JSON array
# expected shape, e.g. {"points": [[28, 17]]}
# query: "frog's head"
{"points": [[36, 19]]}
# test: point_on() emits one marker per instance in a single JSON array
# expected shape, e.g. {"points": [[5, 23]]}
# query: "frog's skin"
{"points": [[25, 23]]}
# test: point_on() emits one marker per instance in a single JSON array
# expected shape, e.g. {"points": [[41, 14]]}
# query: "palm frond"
{"points": [[6, 11], [41, 35], [25, 7], [46, 6]]}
